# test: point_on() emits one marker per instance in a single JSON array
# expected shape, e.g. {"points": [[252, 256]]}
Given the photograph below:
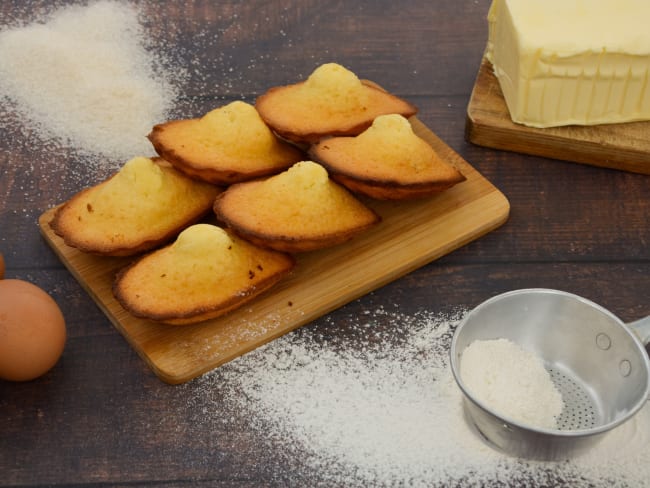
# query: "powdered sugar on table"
{"points": [[84, 76], [383, 410]]}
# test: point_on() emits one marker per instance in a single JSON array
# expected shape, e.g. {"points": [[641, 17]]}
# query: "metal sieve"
{"points": [[598, 363]]}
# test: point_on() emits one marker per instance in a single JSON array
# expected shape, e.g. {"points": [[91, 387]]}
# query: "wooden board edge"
{"points": [[49, 236]]}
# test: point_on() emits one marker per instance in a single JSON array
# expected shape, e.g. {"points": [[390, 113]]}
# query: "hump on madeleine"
{"points": [[207, 272], [332, 101], [387, 161], [145, 204], [226, 145], [298, 210]]}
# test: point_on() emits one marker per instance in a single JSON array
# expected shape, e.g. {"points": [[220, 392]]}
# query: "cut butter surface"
{"points": [[564, 62]]}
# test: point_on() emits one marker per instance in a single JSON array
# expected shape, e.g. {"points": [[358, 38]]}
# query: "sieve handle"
{"points": [[642, 329]]}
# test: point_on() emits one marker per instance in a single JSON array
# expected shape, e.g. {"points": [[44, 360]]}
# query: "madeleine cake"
{"points": [[298, 210], [207, 272], [227, 145], [387, 161], [331, 102], [143, 205]]}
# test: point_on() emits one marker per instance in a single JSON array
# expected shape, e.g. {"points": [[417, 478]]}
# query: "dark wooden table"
{"points": [[102, 418]]}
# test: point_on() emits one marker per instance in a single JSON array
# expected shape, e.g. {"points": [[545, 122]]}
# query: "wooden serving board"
{"points": [[619, 146], [410, 235]]}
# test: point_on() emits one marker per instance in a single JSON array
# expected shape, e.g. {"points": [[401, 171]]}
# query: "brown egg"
{"points": [[32, 331]]}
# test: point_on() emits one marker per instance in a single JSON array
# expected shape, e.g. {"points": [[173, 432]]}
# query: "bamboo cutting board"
{"points": [[619, 146], [410, 235]]}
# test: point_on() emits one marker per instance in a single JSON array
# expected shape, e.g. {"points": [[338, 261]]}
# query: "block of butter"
{"points": [[564, 62]]}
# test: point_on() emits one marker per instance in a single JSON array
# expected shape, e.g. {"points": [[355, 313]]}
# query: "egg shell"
{"points": [[32, 331]]}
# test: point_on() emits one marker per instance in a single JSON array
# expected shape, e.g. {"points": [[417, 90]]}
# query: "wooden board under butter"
{"points": [[618, 146], [411, 235]]}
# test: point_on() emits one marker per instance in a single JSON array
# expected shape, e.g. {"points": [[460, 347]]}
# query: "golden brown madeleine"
{"points": [[331, 102], [298, 210], [144, 205], [204, 274], [227, 145], [388, 161]]}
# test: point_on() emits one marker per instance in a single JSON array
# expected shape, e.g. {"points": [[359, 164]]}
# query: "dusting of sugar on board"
{"points": [[512, 382], [379, 407]]}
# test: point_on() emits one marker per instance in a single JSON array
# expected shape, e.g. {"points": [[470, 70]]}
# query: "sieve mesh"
{"points": [[580, 411]]}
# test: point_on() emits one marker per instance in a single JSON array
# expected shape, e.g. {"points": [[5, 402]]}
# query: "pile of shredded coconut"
{"points": [[512, 382], [384, 410], [84, 76]]}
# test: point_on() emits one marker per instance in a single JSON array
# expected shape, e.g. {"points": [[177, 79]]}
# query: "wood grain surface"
{"points": [[102, 418], [619, 146], [410, 235]]}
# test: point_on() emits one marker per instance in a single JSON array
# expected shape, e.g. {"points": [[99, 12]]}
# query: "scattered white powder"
{"points": [[375, 404], [512, 382], [85, 77], [82, 85]]}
